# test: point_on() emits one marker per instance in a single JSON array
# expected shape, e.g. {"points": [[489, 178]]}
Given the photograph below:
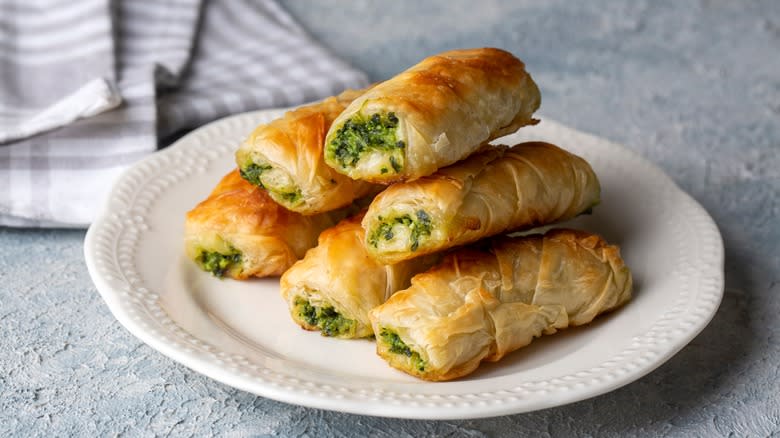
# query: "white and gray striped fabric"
{"points": [[88, 87]]}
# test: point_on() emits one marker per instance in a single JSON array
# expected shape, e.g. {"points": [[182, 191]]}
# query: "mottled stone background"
{"points": [[694, 86]]}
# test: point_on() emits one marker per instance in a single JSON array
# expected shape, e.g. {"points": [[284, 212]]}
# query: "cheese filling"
{"points": [[402, 232], [368, 143], [218, 263], [274, 180], [397, 346], [325, 318]]}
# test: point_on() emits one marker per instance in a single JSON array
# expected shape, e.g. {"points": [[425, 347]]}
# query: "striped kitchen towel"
{"points": [[88, 87]]}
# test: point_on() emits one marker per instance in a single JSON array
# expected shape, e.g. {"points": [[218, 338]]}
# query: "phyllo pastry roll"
{"points": [[497, 190], [335, 285], [239, 231], [482, 303], [284, 157], [432, 115]]}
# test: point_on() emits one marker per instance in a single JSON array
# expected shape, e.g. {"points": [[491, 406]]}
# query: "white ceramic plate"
{"points": [[240, 333]]}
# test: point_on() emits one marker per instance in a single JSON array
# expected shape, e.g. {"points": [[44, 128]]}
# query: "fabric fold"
{"points": [[94, 97], [90, 87], [57, 65]]}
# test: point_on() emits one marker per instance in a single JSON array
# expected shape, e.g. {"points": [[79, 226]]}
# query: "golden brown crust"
{"points": [[240, 216], [482, 303], [494, 191], [339, 273], [293, 146], [448, 105]]}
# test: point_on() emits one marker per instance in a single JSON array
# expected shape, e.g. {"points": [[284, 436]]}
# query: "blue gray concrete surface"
{"points": [[693, 86]]}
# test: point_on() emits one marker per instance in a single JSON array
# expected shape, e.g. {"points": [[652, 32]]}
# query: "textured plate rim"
{"points": [[114, 235]]}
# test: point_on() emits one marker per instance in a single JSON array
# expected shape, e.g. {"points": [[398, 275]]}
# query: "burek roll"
{"points": [[285, 158], [239, 231], [335, 285], [432, 115], [494, 191], [485, 301]]}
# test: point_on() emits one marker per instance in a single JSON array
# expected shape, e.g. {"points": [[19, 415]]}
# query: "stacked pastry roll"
{"points": [[432, 115], [333, 288], [263, 216], [497, 190], [284, 157], [239, 231], [483, 302], [427, 269]]}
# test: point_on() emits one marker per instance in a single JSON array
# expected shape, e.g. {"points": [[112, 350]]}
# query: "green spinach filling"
{"points": [[397, 346], [420, 226], [253, 173], [359, 135], [330, 322], [217, 263], [289, 197]]}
